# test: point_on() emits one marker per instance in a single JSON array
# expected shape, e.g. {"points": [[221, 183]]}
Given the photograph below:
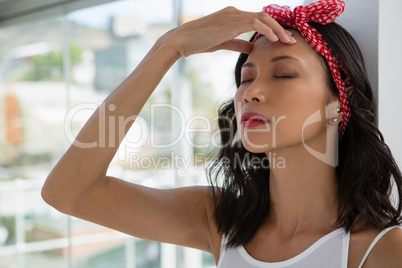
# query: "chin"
{"points": [[264, 142], [256, 147]]}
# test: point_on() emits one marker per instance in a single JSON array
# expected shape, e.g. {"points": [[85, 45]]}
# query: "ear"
{"points": [[349, 90]]}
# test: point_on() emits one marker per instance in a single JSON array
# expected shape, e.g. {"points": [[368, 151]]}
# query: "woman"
{"points": [[308, 212]]}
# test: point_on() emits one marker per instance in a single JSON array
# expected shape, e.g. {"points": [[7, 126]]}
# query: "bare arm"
{"points": [[78, 184]]}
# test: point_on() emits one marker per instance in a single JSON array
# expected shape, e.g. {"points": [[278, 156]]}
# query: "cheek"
{"points": [[238, 102], [291, 104], [304, 97], [310, 121], [238, 95], [298, 107]]}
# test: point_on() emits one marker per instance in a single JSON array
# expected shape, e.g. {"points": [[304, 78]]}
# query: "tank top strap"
{"points": [[376, 239], [345, 249]]}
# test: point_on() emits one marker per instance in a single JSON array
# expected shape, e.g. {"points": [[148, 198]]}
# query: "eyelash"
{"points": [[245, 81]]}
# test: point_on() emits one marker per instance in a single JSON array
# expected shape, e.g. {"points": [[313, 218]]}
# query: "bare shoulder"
{"points": [[387, 252]]}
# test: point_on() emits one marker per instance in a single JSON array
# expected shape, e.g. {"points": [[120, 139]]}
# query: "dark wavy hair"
{"points": [[365, 174]]}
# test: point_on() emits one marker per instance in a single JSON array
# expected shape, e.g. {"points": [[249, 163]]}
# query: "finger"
{"points": [[267, 26], [284, 35], [258, 26], [264, 29], [289, 32], [237, 45]]}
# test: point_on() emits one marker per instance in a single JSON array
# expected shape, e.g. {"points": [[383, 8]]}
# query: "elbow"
{"points": [[47, 195], [55, 197]]}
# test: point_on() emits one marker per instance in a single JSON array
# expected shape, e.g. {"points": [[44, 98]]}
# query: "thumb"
{"points": [[234, 45]]}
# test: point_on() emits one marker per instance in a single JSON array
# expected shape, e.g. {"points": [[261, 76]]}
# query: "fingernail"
{"points": [[287, 39], [292, 39], [288, 32], [276, 38]]}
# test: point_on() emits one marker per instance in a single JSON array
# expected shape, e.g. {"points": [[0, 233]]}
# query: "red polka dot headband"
{"points": [[323, 12]]}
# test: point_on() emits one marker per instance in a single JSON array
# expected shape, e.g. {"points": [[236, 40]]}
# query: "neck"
{"points": [[303, 193]]}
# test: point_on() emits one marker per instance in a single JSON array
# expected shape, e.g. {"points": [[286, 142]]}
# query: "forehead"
{"points": [[264, 49]]}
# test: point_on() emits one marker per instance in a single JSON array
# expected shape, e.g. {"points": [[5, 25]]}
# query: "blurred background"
{"points": [[58, 61]]}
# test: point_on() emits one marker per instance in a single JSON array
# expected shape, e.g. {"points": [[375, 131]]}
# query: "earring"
{"points": [[335, 120], [338, 110]]}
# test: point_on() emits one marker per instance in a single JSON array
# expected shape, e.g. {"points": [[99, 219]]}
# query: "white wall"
{"points": [[390, 75], [360, 19]]}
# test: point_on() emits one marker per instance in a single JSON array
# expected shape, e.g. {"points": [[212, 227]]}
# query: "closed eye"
{"points": [[246, 81], [284, 76]]}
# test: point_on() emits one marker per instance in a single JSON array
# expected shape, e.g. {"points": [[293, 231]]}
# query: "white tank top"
{"points": [[330, 251]]}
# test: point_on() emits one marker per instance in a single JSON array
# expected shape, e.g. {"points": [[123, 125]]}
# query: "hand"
{"points": [[219, 30]]}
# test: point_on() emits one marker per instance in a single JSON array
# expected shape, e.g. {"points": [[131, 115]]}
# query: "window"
{"points": [[55, 71]]}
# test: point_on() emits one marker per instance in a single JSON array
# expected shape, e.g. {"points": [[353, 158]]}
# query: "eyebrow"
{"points": [[285, 57], [273, 60]]}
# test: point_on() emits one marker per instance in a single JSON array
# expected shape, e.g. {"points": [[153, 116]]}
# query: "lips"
{"points": [[250, 120]]}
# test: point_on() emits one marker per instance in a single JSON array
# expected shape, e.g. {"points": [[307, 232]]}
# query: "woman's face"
{"points": [[282, 86]]}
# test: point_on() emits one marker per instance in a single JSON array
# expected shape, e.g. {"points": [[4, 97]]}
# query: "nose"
{"points": [[254, 93]]}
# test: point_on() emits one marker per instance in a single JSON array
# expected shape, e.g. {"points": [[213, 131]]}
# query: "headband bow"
{"points": [[323, 12]]}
